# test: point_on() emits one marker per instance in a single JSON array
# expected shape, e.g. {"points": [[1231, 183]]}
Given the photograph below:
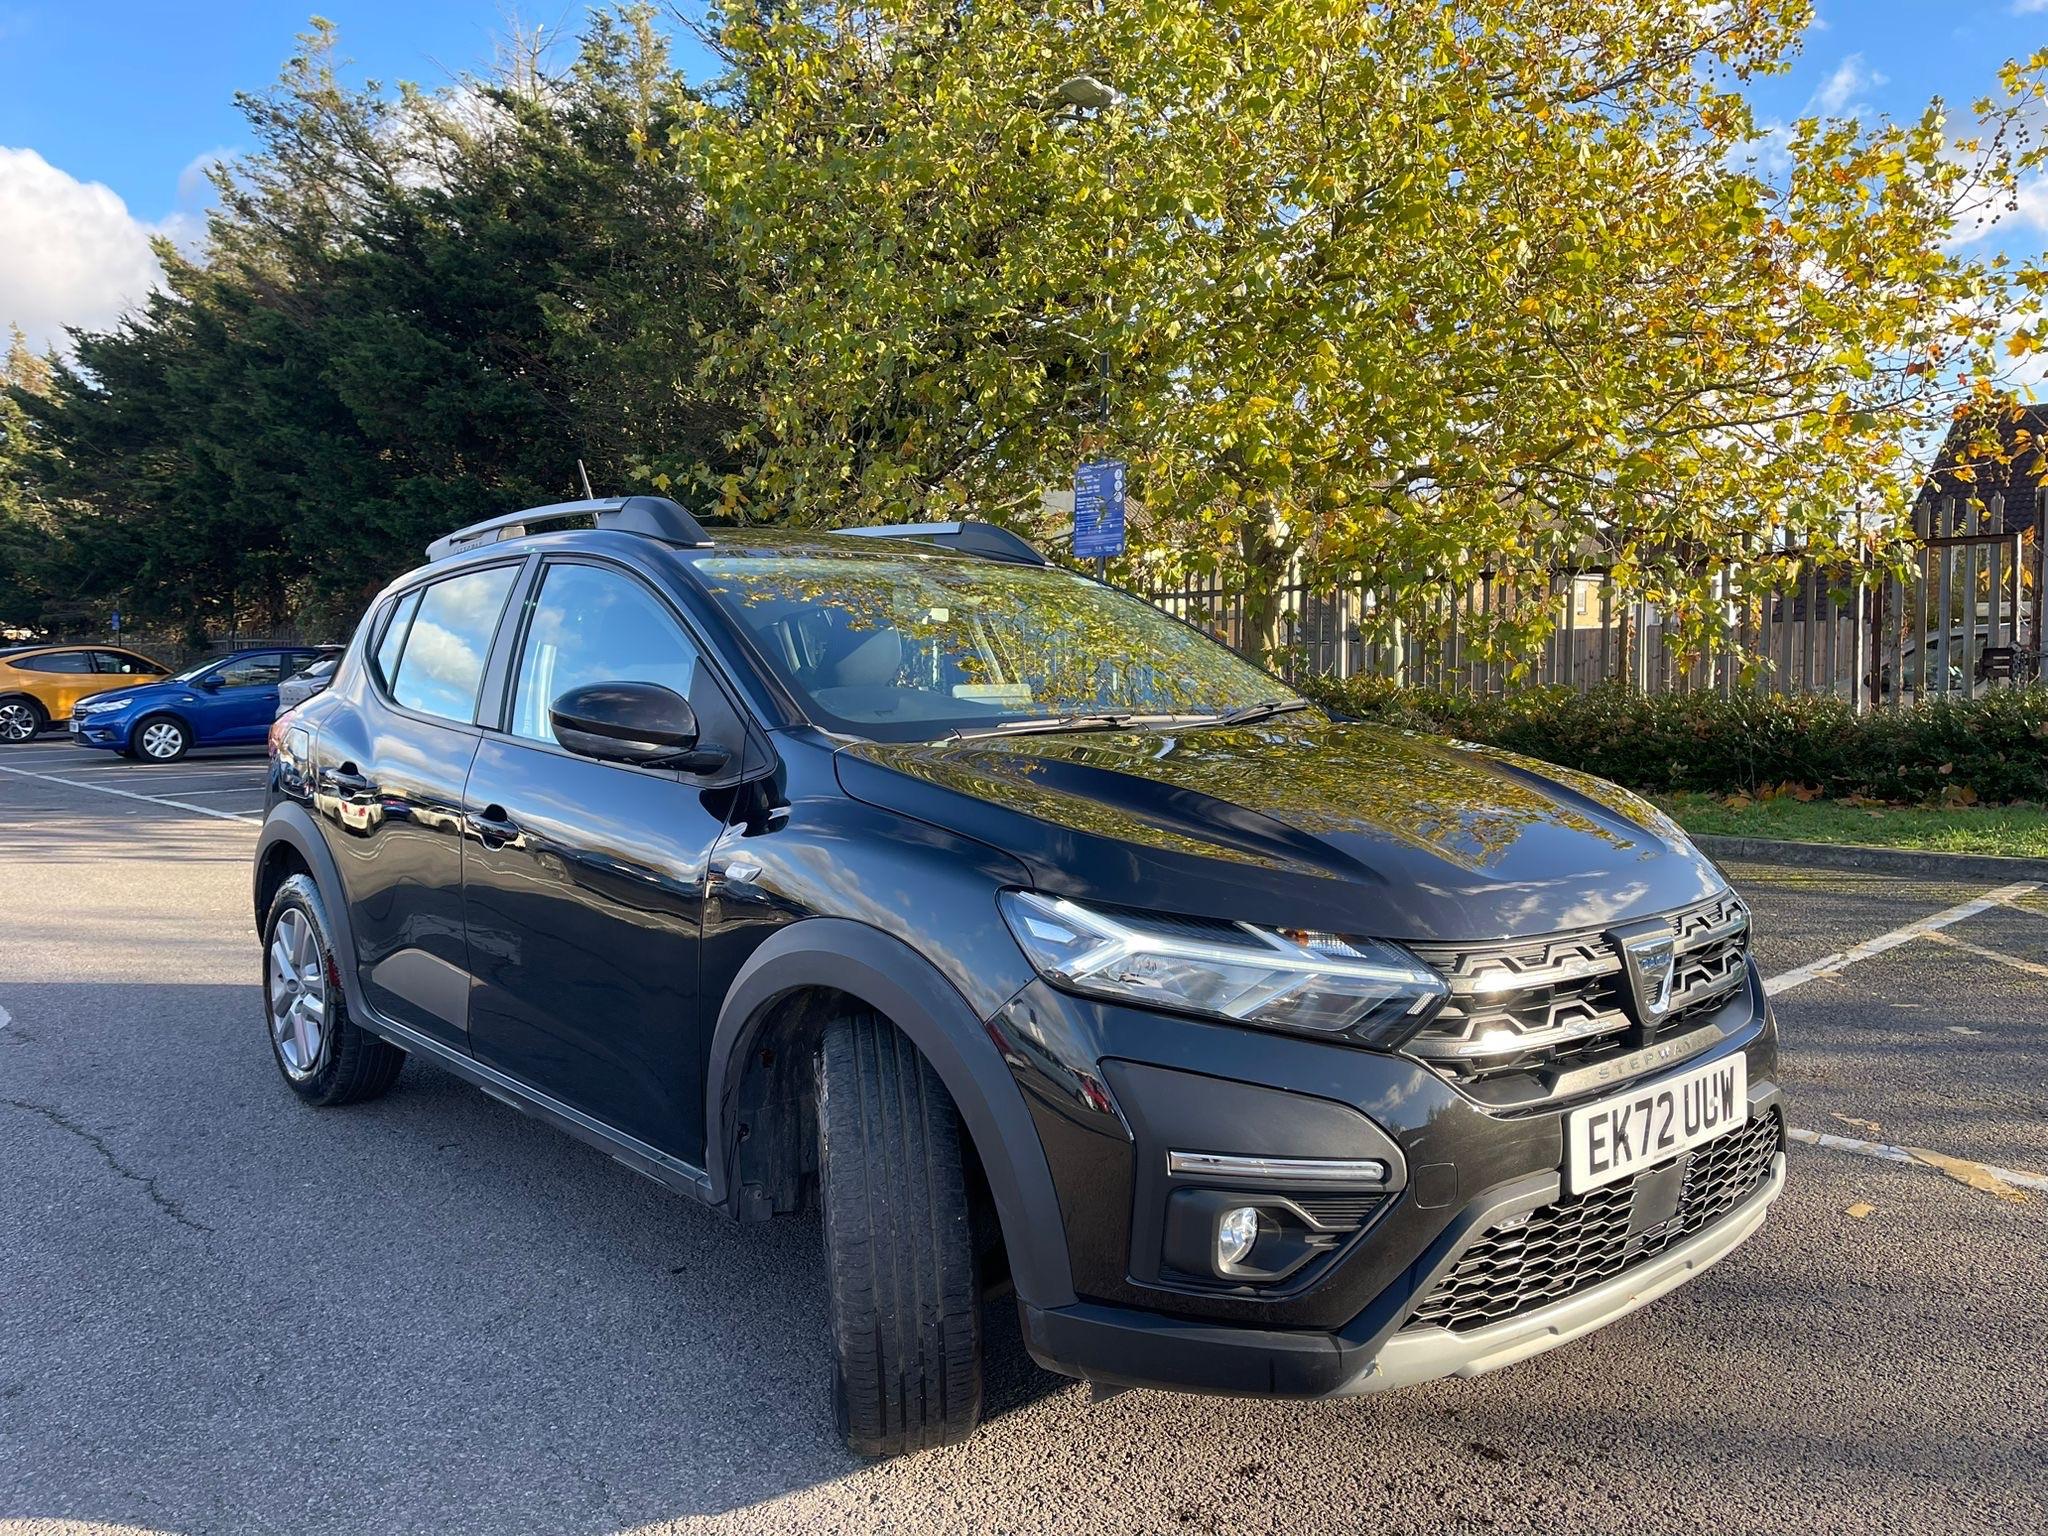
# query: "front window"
{"points": [[258, 671], [903, 646], [592, 625]]}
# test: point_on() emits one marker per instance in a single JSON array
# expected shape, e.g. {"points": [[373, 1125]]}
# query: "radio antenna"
{"points": [[584, 475]]}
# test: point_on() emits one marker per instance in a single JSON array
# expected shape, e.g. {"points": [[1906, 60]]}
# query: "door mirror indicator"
{"points": [[644, 724]]}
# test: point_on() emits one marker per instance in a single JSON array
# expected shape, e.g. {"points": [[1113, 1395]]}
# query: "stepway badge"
{"points": [[1099, 509]]}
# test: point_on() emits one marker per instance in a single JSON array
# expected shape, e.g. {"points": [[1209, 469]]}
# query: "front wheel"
{"points": [[905, 1302], [21, 720], [160, 739]]}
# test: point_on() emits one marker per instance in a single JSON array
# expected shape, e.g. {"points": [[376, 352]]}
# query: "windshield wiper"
{"points": [[1106, 720], [1258, 711]]}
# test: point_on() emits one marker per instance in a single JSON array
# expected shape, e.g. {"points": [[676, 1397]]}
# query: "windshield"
{"points": [[197, 667], [901, 646]]}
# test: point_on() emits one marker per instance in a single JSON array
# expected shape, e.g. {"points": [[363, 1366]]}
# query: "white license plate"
{"points": [[1641, 1128]]}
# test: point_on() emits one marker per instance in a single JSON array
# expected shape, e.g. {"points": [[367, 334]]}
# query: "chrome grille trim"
{"points": [[1537, 1002]]}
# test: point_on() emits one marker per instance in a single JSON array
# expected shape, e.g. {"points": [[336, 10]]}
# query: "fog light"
{"points": [[1235, 1235]]}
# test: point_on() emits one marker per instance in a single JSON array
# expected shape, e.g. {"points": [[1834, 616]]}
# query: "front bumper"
{"points": [[1112, 1090], [1122, 1347], [93, 731]]}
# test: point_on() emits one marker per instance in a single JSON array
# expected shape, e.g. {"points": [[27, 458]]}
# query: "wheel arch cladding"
{"points": [[289, 835], [828, 954]]}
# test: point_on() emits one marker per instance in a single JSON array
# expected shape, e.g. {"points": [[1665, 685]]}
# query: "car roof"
{"points": [[769, 543]]}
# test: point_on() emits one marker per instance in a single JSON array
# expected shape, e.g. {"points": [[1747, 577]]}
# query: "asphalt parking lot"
{"points": [[223, 1312]]}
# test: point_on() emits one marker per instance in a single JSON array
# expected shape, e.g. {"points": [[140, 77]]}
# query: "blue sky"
{"points": [[110, 109]]}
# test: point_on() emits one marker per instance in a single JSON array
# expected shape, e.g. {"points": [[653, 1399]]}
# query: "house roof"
{"points": [[2016, 472]]}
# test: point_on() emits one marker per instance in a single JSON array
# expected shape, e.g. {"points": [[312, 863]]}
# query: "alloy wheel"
{"points": [[162, 740], [298, 993], [17, 722]]}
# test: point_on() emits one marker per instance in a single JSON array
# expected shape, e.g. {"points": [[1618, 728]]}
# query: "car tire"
{"points": [[904, 1297], [160, 739], [21, 720], [325, 1057]]}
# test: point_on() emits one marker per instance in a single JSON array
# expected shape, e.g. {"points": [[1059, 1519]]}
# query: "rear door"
{"points": [[62, 678], [583, 881], [388, 769]]}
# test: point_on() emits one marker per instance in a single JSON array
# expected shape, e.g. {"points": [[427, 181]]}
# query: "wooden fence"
{"points": [[1864, 636]]}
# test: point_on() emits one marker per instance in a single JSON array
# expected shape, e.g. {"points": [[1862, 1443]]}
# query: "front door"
{"points": [[237, 700], [583, 881]]}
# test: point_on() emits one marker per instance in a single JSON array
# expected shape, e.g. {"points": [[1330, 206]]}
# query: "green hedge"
{"points": [[1991, 749]]}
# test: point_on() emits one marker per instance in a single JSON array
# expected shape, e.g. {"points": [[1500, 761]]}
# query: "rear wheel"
{"points": [[899, 1251], [160, 739], [21, 719], [324, 1055]]}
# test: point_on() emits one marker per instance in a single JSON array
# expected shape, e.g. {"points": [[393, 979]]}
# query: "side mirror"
{"points": [[210, 684], [640, 723]]}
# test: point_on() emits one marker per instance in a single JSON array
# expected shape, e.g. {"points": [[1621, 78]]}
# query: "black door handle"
{"points": [[345, 781], [493, 828]]}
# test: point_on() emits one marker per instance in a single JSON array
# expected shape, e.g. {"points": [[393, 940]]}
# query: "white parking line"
{"points": [[1956, 1167], [2028, 967], [1830, 965], [125, 794]]}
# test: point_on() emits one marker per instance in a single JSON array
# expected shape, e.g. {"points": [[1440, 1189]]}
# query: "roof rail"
{"points": [[970, 538], [655, 516]]}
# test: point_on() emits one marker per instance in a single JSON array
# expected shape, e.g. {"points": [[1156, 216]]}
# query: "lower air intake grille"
{"points": [[1580, 1240]]}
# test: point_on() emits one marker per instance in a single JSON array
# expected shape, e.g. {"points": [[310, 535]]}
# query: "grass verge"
{"points": [[2019, 831]]}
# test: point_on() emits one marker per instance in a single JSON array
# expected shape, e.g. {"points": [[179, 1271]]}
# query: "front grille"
{"points": [[1557, 1001], [1580, 1240]]}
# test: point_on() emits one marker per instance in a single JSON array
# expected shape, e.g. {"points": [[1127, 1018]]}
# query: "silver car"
{"points": [[301, 686]]}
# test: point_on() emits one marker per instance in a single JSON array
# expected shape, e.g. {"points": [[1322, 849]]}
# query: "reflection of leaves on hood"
{"points": [[1325, 780]]}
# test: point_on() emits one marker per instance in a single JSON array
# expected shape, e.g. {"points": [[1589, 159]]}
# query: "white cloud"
{"points": [[2033, 198], [2029, 7], [186, 223], [1838, 94], [74, 255]]}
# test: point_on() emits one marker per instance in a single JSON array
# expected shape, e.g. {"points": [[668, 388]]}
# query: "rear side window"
{"points": [[57, 661], [441, 664], [122, 664], [392, 641]]}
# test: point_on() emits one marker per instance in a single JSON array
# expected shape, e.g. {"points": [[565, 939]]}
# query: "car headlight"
{"points": [[1317, 983], [97, 707]]}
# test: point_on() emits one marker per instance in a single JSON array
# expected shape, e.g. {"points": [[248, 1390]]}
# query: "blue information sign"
{"points": [[1099, 509], [117, 621]]}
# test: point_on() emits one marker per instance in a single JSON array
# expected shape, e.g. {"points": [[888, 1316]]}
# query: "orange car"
{"points": [[40, 683]]}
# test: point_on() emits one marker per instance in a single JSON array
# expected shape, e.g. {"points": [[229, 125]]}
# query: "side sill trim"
{"points": [[637, 1155]]}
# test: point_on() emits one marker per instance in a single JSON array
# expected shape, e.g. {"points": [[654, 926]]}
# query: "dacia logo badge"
{"points": [[1651, 959]]}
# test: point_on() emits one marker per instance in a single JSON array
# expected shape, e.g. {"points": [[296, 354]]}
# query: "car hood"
{"points": [[1301, 821], [128, 693]]}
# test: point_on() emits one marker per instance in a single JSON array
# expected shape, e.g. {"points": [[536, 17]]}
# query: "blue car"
{"points": [[223, 701]]}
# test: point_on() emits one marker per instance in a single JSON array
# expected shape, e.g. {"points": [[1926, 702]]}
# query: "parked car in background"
{"points": [[303, 684], [221, 701], [40, 685], [1049, 947]]}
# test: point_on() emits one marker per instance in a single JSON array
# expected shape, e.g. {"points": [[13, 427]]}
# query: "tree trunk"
{"points": [[1265, 561]]}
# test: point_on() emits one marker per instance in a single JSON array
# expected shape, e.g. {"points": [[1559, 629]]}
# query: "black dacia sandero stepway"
{"points": [[1046, 944]]}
